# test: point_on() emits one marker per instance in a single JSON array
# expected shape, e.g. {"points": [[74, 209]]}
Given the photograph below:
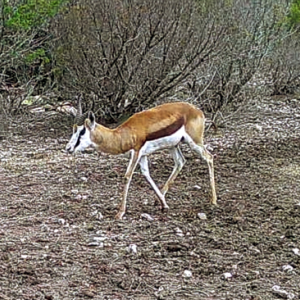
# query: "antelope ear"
{"points": [[90, 121]]}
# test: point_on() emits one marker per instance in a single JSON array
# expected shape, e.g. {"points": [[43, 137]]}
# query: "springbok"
{"points": [[146, 132]]}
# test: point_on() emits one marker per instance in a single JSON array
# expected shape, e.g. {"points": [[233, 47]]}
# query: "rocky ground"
{"points": [[59, 239]]}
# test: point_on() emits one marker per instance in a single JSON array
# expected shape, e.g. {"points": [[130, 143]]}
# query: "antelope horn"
{"points": [[80, 117]]}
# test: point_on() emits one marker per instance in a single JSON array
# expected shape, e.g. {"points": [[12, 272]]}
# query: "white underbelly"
{"points": [[164, 143]]}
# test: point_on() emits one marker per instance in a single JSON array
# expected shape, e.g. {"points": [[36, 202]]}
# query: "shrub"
{"points": [[128, 54], [24, 39]]}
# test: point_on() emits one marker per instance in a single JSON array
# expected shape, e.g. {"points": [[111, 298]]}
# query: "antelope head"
{"points": [[83, 124]]}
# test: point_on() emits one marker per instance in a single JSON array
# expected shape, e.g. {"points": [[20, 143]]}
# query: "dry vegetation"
{"points": [[56, 245]]}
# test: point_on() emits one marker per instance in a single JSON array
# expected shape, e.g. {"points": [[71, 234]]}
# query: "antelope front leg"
{"points": [[131, 167], [145, 171]]}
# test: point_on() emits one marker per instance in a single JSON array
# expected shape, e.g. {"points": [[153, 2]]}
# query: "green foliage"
{"points": [[294, 15], [29, 14], [38, 54], [26, 42]]}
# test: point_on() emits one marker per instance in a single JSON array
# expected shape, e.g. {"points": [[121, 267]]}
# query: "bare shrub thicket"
{"points": [[127, 54], [283, 67], [26, 67], [253, 31], [13, 47]]}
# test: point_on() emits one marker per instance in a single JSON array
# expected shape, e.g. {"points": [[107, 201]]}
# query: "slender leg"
{"points": [[200, 149], [179, 161], [145, 171], [131, 167]]}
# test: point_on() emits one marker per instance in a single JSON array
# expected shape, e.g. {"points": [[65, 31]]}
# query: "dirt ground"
{"points": [[59, 239]]}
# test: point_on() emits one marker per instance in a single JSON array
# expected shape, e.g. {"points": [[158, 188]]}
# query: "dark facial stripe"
{"points": [[170, 129], [82, 132]]}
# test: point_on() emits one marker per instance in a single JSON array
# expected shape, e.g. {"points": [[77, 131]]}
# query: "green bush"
{"points": [[26, 60], [30, 14], [294, 15]]}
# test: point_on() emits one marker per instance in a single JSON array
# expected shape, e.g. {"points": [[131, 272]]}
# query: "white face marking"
{"points": [[165, 142], [80, 140]]}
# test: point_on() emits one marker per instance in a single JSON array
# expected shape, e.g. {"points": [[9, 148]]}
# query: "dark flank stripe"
{"points": [[82, 132], [167, 131]]}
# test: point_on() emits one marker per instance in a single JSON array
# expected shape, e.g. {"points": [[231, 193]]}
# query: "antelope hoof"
{"points": [[164, 208], [119, 215], [214, 202]]}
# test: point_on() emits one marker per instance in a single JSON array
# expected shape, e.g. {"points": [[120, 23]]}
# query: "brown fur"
{"points": [[170, 129], [154, 123]]}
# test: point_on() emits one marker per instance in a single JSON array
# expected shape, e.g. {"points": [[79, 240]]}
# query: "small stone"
{"points": [[84, 179], [287, 268], [147, 217], [202, 216], [99, 238], [179, 232], [227, 275], [282, 293], [97, 214], [61, 221], [96, 244], [78, 197], [187, 274], [258, 127], [296, 251], [197, 187], [132, 248]]}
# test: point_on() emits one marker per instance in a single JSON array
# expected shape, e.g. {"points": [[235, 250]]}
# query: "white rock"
{"points": [[296, 251], [287, 268], [258, 127], [61, 221], [97, 214], [179, 231], [132, 248], [202, 216], [197, 187], [147, 217], [99, 238], [84, 179], [187, 274], [227, 275], [282, 293], [96, 244]]}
